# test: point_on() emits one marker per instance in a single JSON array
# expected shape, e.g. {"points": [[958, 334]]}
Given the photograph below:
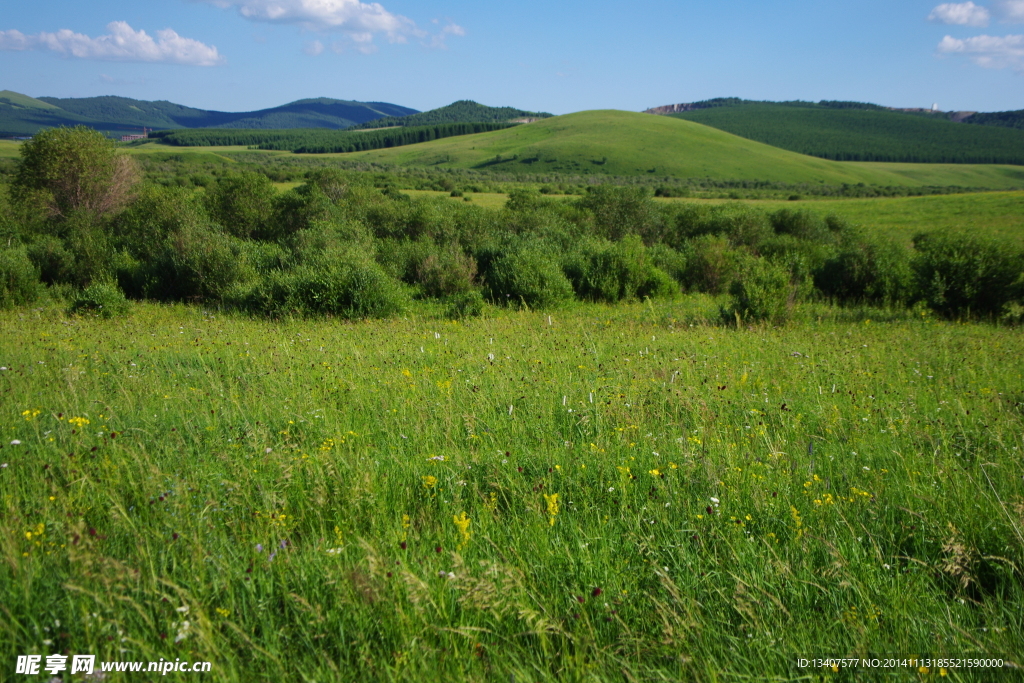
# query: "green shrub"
{"points": [[157, 212], [863, 271], [764, 293], [244, 205], [621, 211], [53, 260], [712, 263], [104, 299], [302, 208], [447, 271], [600, 270], [198, 262], [349, 285], [332, 182], [802, 224], [961, 275], [87, 236], [528, 275], [738, 223], [19, 279], [465, 305], [522, 199], [669, 260]]}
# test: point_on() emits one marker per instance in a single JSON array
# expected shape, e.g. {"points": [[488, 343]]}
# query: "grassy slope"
{"points": [[636, 144], [18, 100]]}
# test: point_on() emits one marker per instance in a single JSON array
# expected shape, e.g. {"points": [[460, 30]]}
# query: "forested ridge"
{"points": [[319, 141], [850, 133], [463, 111]]}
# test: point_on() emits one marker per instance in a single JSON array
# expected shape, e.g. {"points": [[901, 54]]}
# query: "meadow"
{"points": [[297, 424], [587, 494]]}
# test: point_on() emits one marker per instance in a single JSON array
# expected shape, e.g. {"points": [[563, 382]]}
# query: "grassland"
{"points": [[603, 494], [624, 143]]}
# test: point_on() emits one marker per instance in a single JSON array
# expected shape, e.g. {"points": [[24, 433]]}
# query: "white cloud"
{"points": [[360, 22], [122, 44], [451, 29], [961, 14], [992, 52], [313, 48], [1010, 11], [349, 16]]}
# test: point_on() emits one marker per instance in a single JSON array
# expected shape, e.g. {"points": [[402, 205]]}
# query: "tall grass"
{"points": [[603, 494]]}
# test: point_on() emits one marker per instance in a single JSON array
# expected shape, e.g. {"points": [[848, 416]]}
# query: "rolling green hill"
{"points": [[23, 115], [463, 111], [626, 143], [869, 133]]}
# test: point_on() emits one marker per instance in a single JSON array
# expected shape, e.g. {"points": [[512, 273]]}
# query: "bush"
{"points": [[961, 275], [738, 223], [88, 238], [712, 264], [604, 271], [156, 213], [876, 272], [621, 211], [302, 208], [764, 293], [804, 225], [49, 255], [465, 305], [196, 262], [244, 205], [104, 299], [19, 279], [348, 285], [528, 275], [669, 260], [447, 271]]}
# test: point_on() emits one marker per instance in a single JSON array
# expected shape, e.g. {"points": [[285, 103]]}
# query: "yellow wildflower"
{"points": [[552, 501], [462, 522]]}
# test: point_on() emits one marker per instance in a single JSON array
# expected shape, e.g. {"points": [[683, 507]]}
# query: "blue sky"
{"points": [[239, 55]]}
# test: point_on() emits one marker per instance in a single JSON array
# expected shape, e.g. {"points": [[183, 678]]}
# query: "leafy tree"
{"points": [[69, 170]]}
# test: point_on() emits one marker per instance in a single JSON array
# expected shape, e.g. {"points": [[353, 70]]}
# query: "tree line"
{"points": [[82, 223], [319, 140]]}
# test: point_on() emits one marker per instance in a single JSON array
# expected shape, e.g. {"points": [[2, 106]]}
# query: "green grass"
{"points": [[860, 135], [726, 499], [624, 143], [10, 149]]}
